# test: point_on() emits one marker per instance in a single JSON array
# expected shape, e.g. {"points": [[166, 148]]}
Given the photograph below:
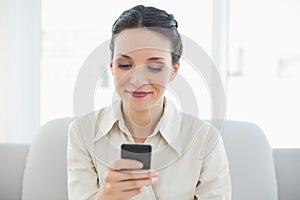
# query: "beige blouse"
{"points": [[187, 152]]}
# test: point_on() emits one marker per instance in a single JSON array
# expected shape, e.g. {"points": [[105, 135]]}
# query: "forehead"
{"points": [[140, 39]]}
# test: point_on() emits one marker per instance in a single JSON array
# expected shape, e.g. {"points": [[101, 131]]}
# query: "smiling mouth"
{"points": [[138, 94]]}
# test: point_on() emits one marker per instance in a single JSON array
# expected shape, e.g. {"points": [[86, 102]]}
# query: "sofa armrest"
{"points": [[287, 165], [13, 158]]}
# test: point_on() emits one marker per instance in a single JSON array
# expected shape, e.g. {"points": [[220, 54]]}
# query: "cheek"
{"points": [[159, 87], [119, 77]]}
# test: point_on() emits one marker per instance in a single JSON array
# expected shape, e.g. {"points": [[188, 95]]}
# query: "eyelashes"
{"points": [[151, 67], [155, 68], [124, 66]]}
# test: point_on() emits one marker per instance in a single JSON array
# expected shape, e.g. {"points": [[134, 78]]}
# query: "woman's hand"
{"points": [[123, 185]]}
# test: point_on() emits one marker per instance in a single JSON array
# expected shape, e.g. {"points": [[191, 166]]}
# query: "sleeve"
{"points": [[214, 181], [82, 175]]}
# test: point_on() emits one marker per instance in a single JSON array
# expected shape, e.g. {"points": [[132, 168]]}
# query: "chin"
{"points": [[139, 105]]}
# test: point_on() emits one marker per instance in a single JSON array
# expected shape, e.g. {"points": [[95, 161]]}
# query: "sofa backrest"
{"points": [[12, 163], [287, 165], [251, 162], [250, 157], [45, 175]]}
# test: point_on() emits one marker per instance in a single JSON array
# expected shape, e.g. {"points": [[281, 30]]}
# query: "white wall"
{"points": [[19, 69]]}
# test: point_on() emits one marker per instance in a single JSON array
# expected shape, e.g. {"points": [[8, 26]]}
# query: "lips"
{"points": [[139, 94]]}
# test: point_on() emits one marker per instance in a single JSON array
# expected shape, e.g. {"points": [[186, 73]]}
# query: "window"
{"points": [[264, 67]]}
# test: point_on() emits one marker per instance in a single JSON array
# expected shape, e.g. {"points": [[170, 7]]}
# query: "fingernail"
{"points": [[140, 165], [154, 180]]}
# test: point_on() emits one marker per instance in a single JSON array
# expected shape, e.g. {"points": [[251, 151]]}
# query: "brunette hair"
{"points": [[152, 19]]}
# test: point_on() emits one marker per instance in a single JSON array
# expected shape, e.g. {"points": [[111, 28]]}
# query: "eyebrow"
{"points": [[155, 58], [149, 59], [125, 56]]}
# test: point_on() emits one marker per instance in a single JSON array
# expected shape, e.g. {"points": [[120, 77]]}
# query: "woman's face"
{"points": [[142, 68]]}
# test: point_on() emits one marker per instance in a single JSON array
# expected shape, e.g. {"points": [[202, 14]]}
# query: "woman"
{"points": [[189, 160]]}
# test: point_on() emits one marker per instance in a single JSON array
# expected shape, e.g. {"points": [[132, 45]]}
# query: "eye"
{"points": [[155, 67], [124, 66]]}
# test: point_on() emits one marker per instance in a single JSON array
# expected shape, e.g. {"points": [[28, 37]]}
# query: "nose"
{"points": [[138, 76]]}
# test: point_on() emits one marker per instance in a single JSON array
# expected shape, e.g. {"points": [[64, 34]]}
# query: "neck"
{"points": [[142, 123]]}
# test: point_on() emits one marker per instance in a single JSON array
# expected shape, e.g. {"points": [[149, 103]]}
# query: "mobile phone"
{"points": [[139, 152]]}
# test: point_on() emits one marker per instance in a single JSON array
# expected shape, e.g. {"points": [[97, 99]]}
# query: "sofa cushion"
{"points": [[45, 175]]}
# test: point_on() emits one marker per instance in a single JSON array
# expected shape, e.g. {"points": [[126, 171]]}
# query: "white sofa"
{"points": [[38, 171]]}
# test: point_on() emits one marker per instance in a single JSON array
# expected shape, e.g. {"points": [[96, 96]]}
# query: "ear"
{"points": [[175, 71], [111, 67]]}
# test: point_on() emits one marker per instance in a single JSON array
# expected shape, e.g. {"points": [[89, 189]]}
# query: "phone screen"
{"points": [[139, 152]]}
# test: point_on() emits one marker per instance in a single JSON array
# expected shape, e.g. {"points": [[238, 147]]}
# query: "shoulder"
{"points": [[201, 135], [205, 127], [88, 122], [190, 128]]}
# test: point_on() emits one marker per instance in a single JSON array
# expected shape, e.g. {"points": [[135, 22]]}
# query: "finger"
{"points": [[117, 176], [135, 184], [126, 164], [130, 193]]}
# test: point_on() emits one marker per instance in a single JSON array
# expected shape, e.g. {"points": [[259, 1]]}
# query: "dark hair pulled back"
{"points": [[152, 19]]}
